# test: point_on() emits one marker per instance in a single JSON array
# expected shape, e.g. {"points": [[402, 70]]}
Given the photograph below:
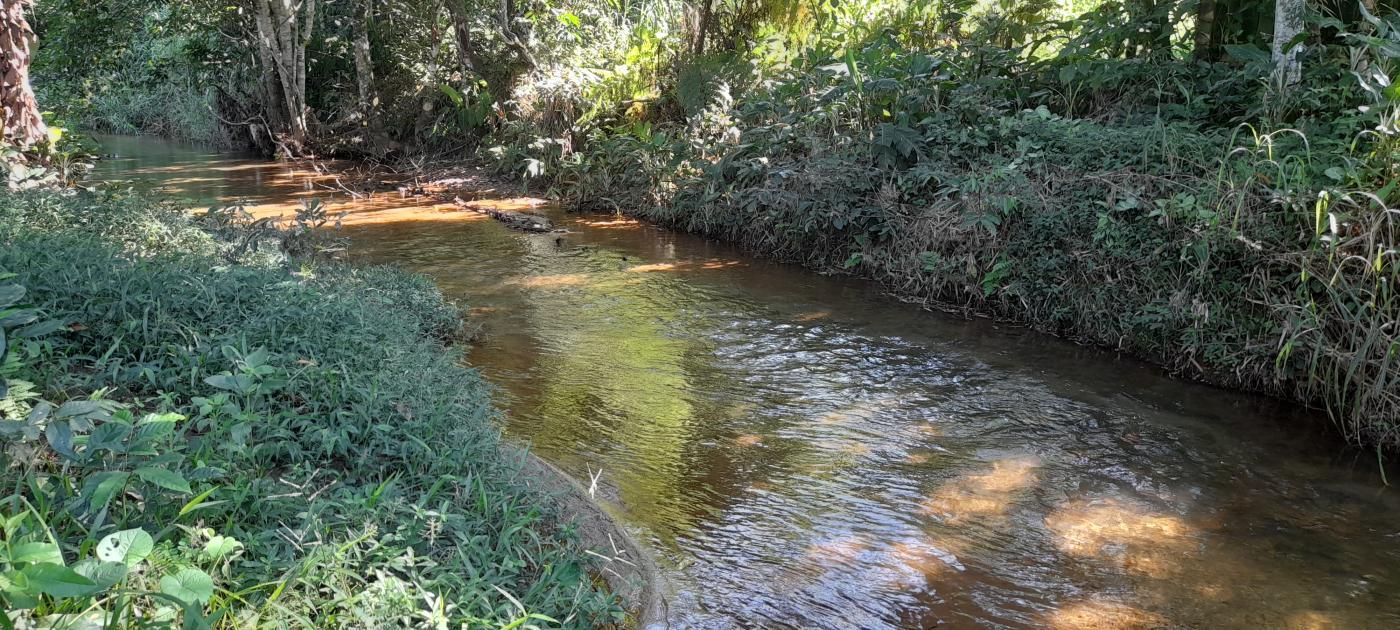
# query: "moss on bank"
{"points": [[303, 438]]}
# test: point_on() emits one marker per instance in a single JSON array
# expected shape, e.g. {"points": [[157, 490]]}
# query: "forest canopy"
{"points": [[377, 76]]}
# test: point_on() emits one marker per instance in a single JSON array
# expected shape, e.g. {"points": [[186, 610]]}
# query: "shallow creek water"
{"points": [[801, 451]]}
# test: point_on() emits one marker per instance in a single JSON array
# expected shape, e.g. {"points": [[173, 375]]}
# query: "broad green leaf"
{"points": [[40, 329], [60, 436], [104, 487], [17, 589], [36, 552], [165, 478], [1249, 53], [220, 546], [156, 425], [452, 94], [103, 574], [188, 585], [75, 408], [10, 294], [129, 546], [109, 436], [19, 317], [12, 523], [258, 358], [230, 382], [57, 580]]}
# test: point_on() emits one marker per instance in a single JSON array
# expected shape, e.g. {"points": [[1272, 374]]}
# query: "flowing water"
{"points": [[801, 451]]}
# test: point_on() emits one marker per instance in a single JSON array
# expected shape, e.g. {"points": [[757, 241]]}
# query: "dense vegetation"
{"points": [[198, 430], [1207, 183]]}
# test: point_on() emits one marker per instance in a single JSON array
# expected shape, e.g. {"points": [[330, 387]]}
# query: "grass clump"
{"points": [[236, 444]]}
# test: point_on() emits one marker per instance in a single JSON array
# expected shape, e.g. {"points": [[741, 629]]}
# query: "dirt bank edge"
{"points": [[629, 568]]}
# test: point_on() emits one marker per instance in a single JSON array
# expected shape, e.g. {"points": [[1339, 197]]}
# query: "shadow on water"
{"points": [[805, 452]]}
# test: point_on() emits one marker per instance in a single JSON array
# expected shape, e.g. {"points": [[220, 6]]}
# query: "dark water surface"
{"points": [[803, 452]]}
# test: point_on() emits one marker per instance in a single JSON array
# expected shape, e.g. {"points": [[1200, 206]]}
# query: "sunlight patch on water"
{"points": [[843, 550], [1103, 614], [371, 212], [689, 265], [1139, 541], [749, 440], [655, 267], [610, 223], [925, 558], [553, 281], [983, 494], [1311, 620]]}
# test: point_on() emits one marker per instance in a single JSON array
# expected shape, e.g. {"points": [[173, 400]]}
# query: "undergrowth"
{"points": [[1195, 215], [200, 435]]}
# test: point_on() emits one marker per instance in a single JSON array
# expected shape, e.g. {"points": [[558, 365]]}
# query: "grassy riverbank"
{"points": [[197, 429], [1258, 257]]}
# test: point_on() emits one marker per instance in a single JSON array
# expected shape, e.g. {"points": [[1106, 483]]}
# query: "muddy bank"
{"points": [[627, 566]]}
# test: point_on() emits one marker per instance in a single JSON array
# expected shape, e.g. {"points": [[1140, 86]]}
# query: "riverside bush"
{"points": [[1256, 256], [232, 445]]}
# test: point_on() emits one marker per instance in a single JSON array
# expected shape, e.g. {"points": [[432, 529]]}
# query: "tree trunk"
{"points": [[284, 29], [23, 125], [467, 55], [500, 77], [702, 27], [1206, 47], [364, 76], [511, 35], [1157, 40], [1288, 23]]}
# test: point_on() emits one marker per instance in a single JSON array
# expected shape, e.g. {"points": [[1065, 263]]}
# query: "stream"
{"points": [[800, 450]]}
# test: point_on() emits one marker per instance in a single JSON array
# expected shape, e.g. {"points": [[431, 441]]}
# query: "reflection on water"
{"points": [[802, 452]]}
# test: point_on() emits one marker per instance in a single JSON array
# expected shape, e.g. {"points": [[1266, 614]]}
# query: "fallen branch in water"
{"points": [[515, 220]]}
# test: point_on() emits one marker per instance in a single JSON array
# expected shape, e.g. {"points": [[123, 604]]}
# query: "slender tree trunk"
{"points": [[427, 86], [513, 37], [23, 125], [1159, 40], [467, 54], [702, 27], [1288, 23], [500, 77], [284, 29], [1205, 48], [364, 75]]}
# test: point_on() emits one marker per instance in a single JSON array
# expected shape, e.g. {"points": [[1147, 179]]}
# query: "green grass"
{"points": [[302, 445]]}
